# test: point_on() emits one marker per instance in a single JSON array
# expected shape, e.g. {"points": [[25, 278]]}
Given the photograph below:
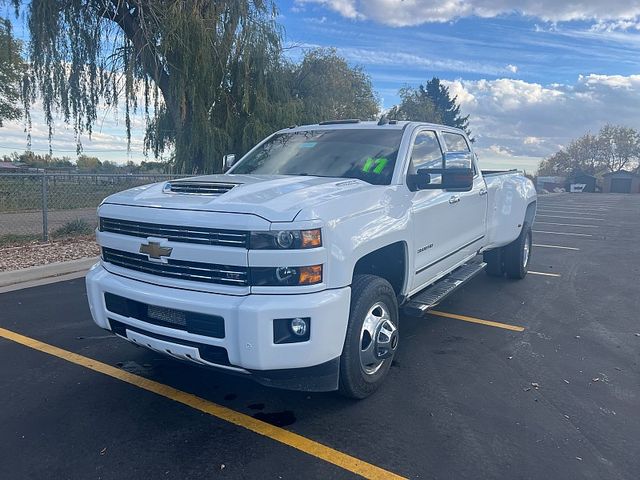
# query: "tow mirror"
{"points": [[228, 161], [450, 179], [457, 174]]}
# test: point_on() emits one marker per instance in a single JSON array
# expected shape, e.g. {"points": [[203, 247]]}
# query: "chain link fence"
{"points": [[44, 206]]}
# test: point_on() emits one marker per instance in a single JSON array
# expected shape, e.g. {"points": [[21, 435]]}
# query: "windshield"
{"points": [[366, 154]]}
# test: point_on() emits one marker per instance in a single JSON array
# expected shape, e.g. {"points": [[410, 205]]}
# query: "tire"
{"points": [[493, 259], [373, 305], [517, 254]]}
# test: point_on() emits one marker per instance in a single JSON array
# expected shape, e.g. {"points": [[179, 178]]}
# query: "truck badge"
{"points": [[154, 250]]}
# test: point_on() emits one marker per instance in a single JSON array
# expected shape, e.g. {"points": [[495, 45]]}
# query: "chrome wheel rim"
{"points": [[526, 251], [378, 338]]}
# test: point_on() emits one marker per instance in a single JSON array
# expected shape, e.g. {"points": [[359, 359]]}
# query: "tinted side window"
{"points": [[455, 142]]}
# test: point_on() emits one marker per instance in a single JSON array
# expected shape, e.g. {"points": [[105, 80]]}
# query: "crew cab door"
{"points": [[436, 230], [468, 208]]}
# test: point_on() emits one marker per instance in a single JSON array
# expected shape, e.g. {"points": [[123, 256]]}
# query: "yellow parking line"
{"points": [[310, 447], [464, 318]]}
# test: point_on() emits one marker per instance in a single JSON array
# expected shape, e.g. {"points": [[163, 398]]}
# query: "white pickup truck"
{"points": [[292, 267]]}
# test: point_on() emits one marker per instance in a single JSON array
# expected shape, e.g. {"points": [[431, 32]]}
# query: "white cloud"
{"points": [[373, 57], [517, 123], [416, 12], [512, 68]]}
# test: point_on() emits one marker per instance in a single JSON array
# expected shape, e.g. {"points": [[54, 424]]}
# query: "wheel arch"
{"points": [[388, 262]]}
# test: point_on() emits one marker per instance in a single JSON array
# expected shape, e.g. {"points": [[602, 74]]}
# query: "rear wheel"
{"points": [[518, 254], [372, 336], [493, 259]]}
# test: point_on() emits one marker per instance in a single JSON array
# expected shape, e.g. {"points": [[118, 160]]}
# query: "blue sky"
{"points": [[532, 74]]}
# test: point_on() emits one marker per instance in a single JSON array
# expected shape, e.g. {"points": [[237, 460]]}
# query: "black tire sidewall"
{"points": [[366, 290], [514, 254]]}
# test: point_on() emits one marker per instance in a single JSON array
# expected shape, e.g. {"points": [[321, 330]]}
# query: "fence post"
{"points": [[45, 220]]}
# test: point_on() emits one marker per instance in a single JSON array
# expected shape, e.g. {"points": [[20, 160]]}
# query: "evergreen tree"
{"points": [[447, 107]]}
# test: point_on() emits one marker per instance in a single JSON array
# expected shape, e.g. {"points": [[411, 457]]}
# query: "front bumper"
{"points": [[248, 329]]}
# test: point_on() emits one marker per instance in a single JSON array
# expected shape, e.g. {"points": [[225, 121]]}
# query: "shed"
{"points": [[621, 182], [551, 184], [589, 182]]}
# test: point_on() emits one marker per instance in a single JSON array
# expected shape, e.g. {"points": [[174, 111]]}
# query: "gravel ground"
{"points": [[34, 254]]}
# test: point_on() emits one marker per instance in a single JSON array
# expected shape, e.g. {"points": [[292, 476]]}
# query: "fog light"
{"points": [[299, 326]]}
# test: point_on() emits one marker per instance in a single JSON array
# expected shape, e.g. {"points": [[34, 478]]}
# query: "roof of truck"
{"points": [[366, 124]]}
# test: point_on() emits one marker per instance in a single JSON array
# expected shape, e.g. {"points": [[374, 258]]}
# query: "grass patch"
{"points": [[74, 228]]}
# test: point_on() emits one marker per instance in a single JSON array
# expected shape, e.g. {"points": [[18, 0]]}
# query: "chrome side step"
{"points": [[434, 294]]}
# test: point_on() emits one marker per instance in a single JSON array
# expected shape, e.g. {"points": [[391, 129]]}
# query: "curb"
{"points": [[57, 269]]}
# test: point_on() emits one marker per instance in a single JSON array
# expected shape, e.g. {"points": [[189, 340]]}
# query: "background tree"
{"points": [[447, 107], [430, 103], [11, 72], [613, 149], [331, 89], [415, 105], [200, 69], [620, 147], [86, 163], [209, 75]]}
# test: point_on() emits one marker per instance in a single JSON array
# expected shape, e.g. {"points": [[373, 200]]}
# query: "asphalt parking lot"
{"points": [[539, 379]]}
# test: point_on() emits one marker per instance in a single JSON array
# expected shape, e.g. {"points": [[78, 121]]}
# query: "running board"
{"points": [[435, 293]]}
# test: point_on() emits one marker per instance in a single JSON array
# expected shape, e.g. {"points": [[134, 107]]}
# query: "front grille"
{"points": [[209, 353], [192, 322], [174, 233], [200, 188], [180, 269]]}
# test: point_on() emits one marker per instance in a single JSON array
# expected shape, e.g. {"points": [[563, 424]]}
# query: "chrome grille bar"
{"points": [[180, 269], [174, 233]]}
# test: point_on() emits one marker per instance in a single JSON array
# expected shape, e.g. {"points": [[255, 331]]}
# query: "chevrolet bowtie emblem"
{"points": [[154, 250]]}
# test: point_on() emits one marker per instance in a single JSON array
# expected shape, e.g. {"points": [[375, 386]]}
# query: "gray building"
{"points": [[621, 182]]}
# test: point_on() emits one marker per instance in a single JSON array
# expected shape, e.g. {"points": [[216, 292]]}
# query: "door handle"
{"points": [[483, 191], [454, 199]]}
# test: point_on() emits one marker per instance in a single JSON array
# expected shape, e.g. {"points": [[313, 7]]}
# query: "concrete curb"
{"points": [[46, 271]]}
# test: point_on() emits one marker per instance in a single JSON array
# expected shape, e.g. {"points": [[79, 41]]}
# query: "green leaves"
{"points": [[11, 71], [210, 75]]}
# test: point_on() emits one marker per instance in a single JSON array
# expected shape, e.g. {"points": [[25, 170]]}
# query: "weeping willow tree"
{"points": [[11, 70], [206, 73]]}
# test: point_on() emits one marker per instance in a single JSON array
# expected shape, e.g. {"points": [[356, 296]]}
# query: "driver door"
{"points": [[435, 227]]}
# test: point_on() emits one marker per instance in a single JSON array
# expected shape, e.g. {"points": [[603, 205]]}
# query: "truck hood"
{"points": [[277, 198]]}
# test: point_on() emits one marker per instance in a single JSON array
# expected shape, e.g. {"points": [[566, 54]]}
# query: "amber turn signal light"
{"points": [[310, 275], [311, 238]]}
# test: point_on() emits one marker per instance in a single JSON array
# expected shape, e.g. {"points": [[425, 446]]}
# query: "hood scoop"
{"points": [[214, 189]]}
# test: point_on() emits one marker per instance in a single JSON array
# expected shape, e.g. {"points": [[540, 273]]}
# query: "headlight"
{"points": [[286, 276], [286, 239]]}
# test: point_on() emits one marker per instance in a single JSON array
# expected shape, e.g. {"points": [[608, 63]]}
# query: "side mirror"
{"points": [[457, 174], [228, 161], [450, 179]]}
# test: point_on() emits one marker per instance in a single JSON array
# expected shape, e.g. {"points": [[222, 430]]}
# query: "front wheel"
{"points": [[518, 254], [372, 336]]}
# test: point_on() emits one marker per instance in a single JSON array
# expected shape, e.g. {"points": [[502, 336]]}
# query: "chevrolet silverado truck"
{"points": [[293, 267]]}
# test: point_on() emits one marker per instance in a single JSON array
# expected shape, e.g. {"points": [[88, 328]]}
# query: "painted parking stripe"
{"points": [[570, 218], [571, 207], [465, 318], [544, 274], [306, 445], [564, 233], [566, 224], [555, 246], [579, 214]]}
